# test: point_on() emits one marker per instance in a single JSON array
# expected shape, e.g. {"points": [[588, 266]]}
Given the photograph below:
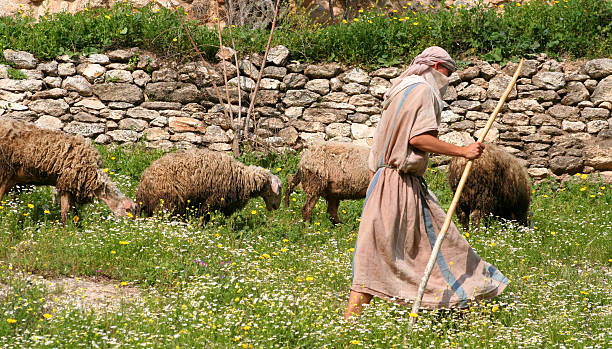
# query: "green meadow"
{"points": [[261, 279]]}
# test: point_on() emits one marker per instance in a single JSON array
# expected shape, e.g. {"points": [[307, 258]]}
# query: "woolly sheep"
{"points": [[497, 185], [205, 180], [334, 170], [30, 155]]}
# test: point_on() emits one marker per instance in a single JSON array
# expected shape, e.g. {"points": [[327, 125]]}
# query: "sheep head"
{"points": [[118, 203], [272, 192]]}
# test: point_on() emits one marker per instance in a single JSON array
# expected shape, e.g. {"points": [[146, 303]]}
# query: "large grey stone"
{"points": [[48, 68], [364, 100], [300, 98], [498, 85], [248, 69], [549, 80], [324, 115], [540, 95], [576, 93], [21, 85], [599, 68], [165, 74], [78, 84], [53, 107], [289, 135], [269, 84], [91, 71], [387, 73], [173, 92], [141, 78], [225, 54], [530, 67], [90, 103], [596, 125], [353, 88], [295, 80], [594, 113], [121, 55], [118, 75], [66, 69], [310, 138], [183, 124], [378, 87], [246, 83], [516, 119], [565, 164], [322, 71], [84, 129], [278, 55], [267, 97], [564, 112], [49, 122], [520, 105], [275, 72], [98, 58], [356, 75], [21, 59], [603, 91], [338, 129], [469, 73], [123, 136], [599, 155], [215, 134], [156, 134], [133, 124], [118, 92], [320, 86], [142, 113], [17, 97], [307, 126]]}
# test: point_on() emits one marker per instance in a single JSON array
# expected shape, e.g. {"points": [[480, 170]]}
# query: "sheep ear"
{"points": [[276, 184]]}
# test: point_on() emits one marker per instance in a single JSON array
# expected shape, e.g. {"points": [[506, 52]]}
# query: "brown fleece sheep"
{"points": [[29, 155], [497, 185], [334, 170], [205, 180]]}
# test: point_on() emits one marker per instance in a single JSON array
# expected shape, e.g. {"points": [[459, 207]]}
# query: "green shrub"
{"points": [[376, 37]]}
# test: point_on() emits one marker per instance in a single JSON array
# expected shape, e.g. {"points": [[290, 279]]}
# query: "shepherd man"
{"points": [[401, 217]]}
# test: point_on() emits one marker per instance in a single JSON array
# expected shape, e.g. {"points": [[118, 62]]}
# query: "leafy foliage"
{"points": [[376, 37]]}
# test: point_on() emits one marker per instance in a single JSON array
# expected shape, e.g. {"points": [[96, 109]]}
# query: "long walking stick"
{"points": [[451, 210]]}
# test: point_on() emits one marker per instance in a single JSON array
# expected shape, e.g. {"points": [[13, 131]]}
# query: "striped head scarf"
{"points": [[421, 64]]}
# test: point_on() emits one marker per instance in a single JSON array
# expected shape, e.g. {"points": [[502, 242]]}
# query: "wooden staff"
{"points": [[451, 210]]}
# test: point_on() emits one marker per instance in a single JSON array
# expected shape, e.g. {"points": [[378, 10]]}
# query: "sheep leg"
{"points": [[463, 219], [65, 206], [311, 201], [5, 187], [332, 209]]}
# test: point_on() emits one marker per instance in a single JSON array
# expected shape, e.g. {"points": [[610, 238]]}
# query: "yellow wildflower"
{"points": [[107, 17], [309, 278], [355, 342], [47, 316], [123, 242], [47, 211], [495, 308], [583, 189], [123, 283], [356, 19], [30, 206], [413, 315], [11, 321]]}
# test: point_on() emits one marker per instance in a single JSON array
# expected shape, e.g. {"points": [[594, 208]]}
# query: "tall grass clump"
{"points": [[375, 37]]}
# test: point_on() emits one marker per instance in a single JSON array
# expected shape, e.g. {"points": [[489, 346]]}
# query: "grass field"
{"points": [[264, 279]]}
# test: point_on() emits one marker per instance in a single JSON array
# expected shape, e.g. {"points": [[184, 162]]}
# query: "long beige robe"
{"points": [[401, 219]]}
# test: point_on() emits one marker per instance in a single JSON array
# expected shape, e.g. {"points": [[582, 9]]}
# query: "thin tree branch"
{"points": [[235, 143], [261, 69]]}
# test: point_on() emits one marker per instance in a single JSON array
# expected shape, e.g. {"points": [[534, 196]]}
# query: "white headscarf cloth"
{"points": [[420, 64]]}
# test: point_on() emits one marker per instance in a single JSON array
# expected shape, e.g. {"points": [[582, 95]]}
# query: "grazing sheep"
{"points": [[30, 155], [205, 180], [497, 185], [333, 170]]}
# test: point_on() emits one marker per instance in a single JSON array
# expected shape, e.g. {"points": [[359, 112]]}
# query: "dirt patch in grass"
{"points": [[91, 293]]}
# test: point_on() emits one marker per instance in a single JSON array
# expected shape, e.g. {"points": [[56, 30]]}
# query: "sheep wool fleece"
{"points": [[401, 217]]}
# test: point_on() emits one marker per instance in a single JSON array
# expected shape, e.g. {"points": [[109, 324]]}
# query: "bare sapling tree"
{"points": [[227, 96], [206, 65], [235, 142], [261, 69]]}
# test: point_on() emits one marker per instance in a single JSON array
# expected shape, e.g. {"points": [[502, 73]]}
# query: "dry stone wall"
{"points": [[557, 118]]}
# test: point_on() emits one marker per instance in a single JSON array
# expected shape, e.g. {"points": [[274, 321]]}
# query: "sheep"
{"points": [[334, 170], [30, 155], [498, 184], [205, 180]]}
